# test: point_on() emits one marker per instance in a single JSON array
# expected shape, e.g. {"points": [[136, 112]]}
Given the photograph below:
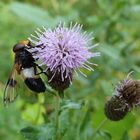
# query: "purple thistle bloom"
{"points": [[63, 50]]}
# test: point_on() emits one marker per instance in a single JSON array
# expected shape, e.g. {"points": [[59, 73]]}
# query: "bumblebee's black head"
{"points": [[20, 46]]}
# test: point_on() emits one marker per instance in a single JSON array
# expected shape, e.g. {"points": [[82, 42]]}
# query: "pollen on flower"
{"points": [[63, 50]]}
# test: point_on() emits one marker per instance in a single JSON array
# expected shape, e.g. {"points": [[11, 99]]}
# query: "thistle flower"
{"points": [[127, 96], [63, 50]]}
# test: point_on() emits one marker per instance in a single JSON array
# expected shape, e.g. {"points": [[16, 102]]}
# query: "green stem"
{"points": [[100, 126], [50, 91], [61, 94], [57, 109], [38, 112]]}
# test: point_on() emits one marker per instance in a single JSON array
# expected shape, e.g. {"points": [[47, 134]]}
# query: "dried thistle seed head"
{"points": [[129, 91], [115, 109]]}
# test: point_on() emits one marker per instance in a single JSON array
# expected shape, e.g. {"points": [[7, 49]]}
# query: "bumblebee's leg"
{"points": [[37, 46], [40, 46], [35, 70]]}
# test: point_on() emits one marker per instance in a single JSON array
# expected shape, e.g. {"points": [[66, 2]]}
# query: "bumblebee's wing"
{"points": [[10, 93]]}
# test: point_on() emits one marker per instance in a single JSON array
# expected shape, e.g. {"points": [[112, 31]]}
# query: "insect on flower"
{"points": [[63, 50], [25, 66]]}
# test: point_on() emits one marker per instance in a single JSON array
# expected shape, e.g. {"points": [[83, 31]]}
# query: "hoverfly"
{"points": [[24, 65]]}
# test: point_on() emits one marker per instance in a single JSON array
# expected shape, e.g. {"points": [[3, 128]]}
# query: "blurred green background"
{"points": [[115, 25]]}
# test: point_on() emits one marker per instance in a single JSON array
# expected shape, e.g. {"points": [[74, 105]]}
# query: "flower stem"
{"points": [[100, 126], [57, 110], [61, 94]]}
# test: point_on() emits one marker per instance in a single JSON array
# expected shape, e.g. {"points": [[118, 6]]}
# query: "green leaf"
{"points": [[64, 121], [111, 52], [68, 104], [47, 132], [30, 133], [32, 13], [39, 16], [44, 132], [125, 136], [106, 135]]}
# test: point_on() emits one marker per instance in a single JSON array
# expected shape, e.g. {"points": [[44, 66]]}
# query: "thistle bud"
{"points": [[127, 96], [115, 109], [129, 91]]}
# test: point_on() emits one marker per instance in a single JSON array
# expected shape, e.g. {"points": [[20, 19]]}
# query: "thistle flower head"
{"points": [[127, 96], [63, 50]]}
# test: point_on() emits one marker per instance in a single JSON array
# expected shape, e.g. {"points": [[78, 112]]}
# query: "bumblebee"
{"points": [[25, 66]]}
